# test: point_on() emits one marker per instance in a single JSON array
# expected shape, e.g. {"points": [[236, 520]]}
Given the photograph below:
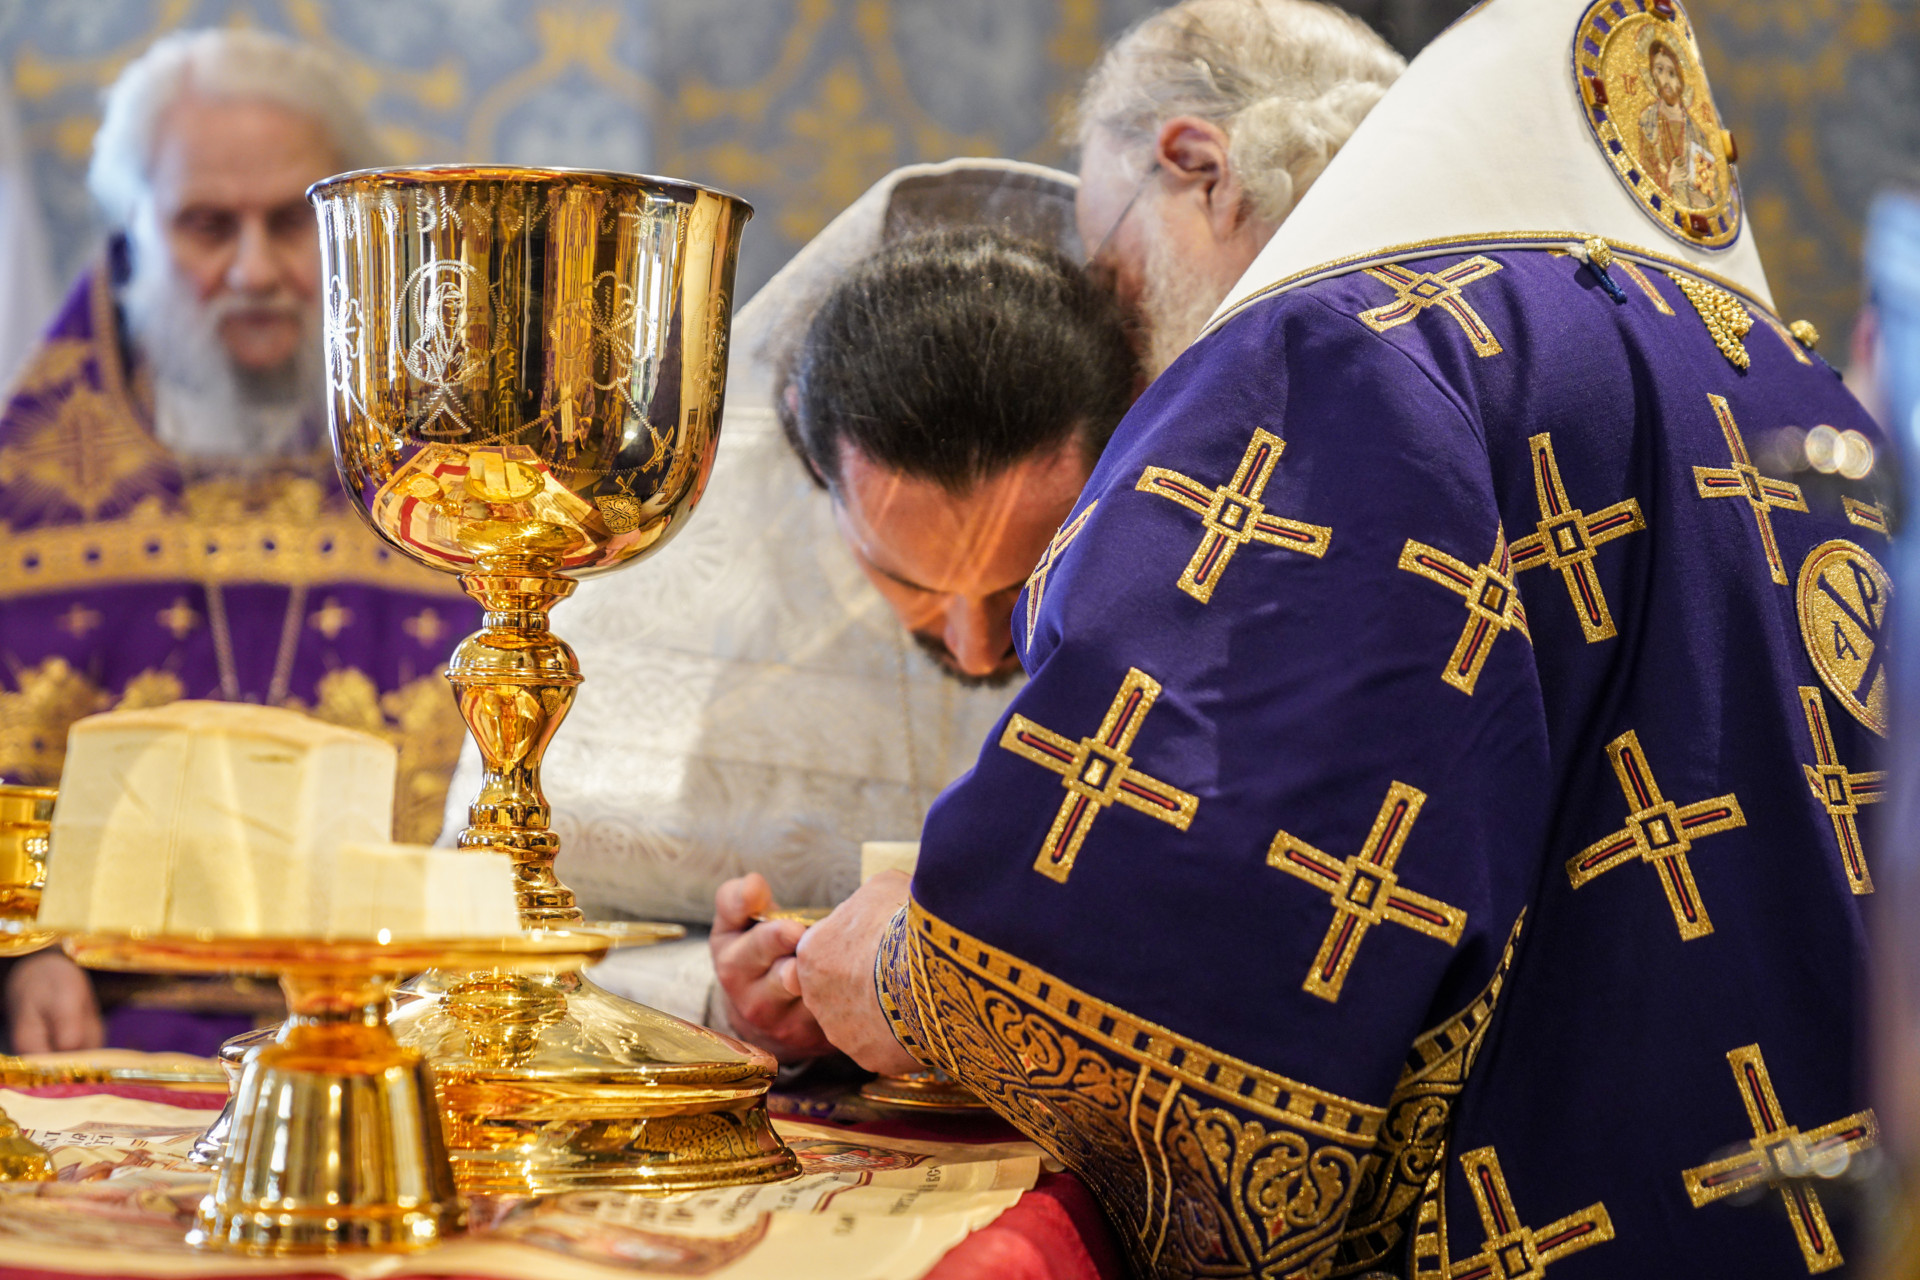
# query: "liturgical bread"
{"points": [[211, 816], [413, 891]]}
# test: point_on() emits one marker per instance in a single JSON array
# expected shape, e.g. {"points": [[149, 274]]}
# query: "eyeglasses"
{"points": [[1153, 171]]}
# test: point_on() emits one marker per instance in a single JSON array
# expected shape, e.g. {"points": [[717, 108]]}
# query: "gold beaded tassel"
{"points": [[1726, 319]]}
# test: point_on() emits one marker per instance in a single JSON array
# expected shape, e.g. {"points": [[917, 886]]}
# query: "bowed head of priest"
{"points": [[1199, 130], [952, 395]]}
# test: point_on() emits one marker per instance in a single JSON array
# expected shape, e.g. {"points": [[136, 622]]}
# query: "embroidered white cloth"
{"points": [[750, 703]]}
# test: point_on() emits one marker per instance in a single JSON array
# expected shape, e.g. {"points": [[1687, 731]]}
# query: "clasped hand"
{"points": [[802, 992]]}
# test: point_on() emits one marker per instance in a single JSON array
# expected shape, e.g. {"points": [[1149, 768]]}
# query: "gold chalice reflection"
{"points": [[526, 369]]}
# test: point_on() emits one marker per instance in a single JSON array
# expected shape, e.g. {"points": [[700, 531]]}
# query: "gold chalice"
{"points": [[26, 816], [526, 369], [336, 1141]]}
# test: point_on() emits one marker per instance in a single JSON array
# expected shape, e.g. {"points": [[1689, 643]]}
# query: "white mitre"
{"points": [[750, 702], [1484, 142]]}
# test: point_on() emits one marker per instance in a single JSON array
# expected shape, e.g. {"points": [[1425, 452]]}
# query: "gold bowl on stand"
{"points": [[526, 371], [336, 1140]]}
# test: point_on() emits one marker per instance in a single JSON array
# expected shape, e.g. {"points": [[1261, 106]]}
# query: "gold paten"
{"points": [[526, 370], [336, 1140], [26, 816]]}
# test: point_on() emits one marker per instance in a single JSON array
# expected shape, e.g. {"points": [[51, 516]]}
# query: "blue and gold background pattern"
{"points": [[800, 104]]}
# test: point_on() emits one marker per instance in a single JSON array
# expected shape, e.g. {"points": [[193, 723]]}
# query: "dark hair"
{"points": [[955, 354], [1659, 47]]}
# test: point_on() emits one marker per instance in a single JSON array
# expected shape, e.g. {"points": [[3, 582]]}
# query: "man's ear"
{"points": [[1194, 155]]}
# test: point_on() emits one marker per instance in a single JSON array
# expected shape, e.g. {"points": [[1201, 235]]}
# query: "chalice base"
{"points": [[331, 1155], [554, 1084], [336, 1140]]}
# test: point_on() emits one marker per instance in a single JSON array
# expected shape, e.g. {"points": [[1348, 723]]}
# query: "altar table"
{"points": [[880, 1200]]}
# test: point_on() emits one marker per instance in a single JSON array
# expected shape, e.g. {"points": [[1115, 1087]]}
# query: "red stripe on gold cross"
{"points": [[1097, 772], [1513, 1251], [1566, 538], [1493, 605], [1840, 792], [1233, 515], [1743, 480], [1783, 1158], [1658, 832], [1868, 515], [1415, 291], [1365, 890], [1056, 547]]}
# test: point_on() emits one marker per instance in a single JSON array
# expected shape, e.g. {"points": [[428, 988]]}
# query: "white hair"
{"points": [[1287, 80], [219, 63]]}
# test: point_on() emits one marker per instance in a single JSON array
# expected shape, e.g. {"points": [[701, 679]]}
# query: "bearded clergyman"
{"points": [[1430, 839], [174, 528]]}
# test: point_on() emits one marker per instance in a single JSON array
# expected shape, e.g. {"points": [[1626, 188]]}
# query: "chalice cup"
{"points": [[526, 370]]}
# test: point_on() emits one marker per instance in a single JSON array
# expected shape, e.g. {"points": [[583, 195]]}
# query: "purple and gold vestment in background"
{"points": [[123, 583], [1430, 840]]}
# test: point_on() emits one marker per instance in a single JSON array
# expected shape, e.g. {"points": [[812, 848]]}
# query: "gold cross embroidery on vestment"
{"points": [[1567, 538], [1783, 1158], [1233, 515], [1514, 1251], [1056, 547], [1365, 890], [331, 618], [1840, 792], [1743, 480], [1097, 772], [1868, 515], [1416, 291], [179, 617], [1657, 832], [78, 620], [1493, 604]]}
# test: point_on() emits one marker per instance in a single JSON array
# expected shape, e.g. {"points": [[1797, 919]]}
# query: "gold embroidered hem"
{"points": [[153, 545], [1413, 1141], [1208, 1165]]}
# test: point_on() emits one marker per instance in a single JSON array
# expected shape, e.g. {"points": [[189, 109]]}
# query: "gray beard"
{"points": [[208, 410], [1176, 301]]}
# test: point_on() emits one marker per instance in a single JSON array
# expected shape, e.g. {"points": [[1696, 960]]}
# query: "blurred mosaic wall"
{"points": [[1824, 99], [799, 104]]}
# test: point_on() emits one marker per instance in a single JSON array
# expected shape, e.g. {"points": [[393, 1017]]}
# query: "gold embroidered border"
{"points": [[1548, 240], [1413, 1141], [149, 547], [1208, 1164]]}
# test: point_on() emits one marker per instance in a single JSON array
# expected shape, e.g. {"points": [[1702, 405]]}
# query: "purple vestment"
{"points": [[122, 583]]}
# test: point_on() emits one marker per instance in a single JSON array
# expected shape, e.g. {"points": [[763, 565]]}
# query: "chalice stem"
{"points": [[514, 681]]}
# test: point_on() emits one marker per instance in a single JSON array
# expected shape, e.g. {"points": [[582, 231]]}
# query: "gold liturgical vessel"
{"points": [[26, 816], [526, 369], [336, 1141]]}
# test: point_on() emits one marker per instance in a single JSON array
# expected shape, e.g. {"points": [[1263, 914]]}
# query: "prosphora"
{"points": [[1319, 697]]}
